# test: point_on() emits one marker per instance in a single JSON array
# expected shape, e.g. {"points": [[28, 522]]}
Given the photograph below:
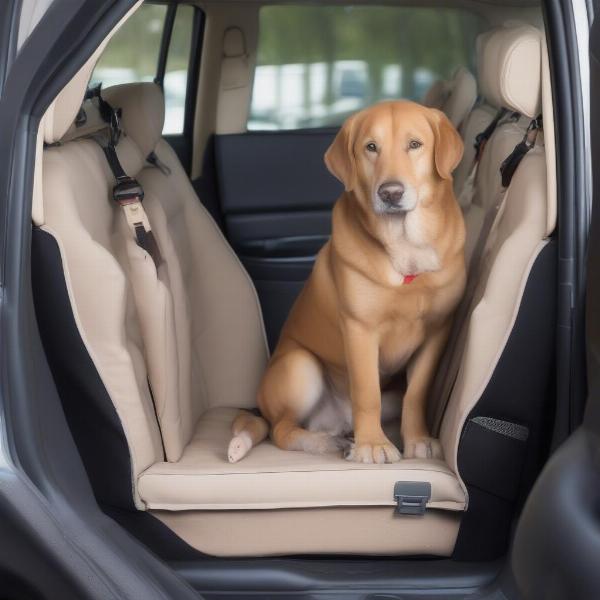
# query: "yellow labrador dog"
{"points": [[380, 298]]}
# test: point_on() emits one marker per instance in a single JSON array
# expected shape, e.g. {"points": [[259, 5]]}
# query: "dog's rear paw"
{"points": [[239, 446], [378, 453], [321, 442], [424, 447]]}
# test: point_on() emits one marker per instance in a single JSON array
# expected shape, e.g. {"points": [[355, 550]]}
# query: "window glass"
{"points": [[132, 54], [317, 64], [176, 72]]}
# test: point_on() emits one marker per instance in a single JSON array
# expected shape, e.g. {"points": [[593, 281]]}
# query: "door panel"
{"points": [[275, 171], [557, 539], [276, 197]]}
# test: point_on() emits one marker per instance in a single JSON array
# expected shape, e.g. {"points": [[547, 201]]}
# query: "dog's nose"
{"points": [[391, 193]]}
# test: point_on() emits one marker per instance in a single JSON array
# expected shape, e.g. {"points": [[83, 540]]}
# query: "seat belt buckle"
{"points": [[411, 497], [128, 191]]}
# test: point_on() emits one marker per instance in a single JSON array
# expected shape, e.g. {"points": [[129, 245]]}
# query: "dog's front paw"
{"points": [[423, 447], [379, 452]]}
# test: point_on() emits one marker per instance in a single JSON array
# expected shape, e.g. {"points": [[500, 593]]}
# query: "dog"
{"points": [[366, 333]]}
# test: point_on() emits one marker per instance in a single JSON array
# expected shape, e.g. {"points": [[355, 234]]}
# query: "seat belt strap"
{"points": [[467, 192], [449, 366], [127, 193], [512, 161], [481, 139]]}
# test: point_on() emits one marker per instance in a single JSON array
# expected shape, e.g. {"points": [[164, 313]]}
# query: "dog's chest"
{"points": [[398, 341], [407, 259]]}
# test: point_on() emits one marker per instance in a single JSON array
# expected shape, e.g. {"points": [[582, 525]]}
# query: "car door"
{"points": [[557, 541], [54, 540]]}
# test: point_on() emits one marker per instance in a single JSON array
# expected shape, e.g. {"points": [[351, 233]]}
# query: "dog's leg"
{"points": [[362, 360], [417, 440], [292, 387]]}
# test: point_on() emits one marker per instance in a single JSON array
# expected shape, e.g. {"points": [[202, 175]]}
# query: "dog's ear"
{"points": [[449, 146], [339, 157]]}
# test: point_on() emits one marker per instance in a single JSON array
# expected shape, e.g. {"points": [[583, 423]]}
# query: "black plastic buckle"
{"points": [[411, 497], [128, 191]]}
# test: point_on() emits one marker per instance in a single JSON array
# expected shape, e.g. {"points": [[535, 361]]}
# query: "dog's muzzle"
{"points": [[393, 197]]}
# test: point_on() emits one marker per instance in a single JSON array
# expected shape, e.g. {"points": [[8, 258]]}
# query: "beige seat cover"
{"points": [[273, 478], [272, 502]]}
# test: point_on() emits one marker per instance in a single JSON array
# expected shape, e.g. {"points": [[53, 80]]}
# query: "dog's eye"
{"points": [[414, 144], [371, 147]]}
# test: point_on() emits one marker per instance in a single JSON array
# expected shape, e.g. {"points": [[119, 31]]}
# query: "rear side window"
{"points": [[153, 45], [177, 70], [318, 64]]}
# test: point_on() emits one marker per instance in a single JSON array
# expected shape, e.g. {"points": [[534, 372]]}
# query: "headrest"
{"points": [[142, 112], [437, 94], [87, 122], [130, 156], [510, 68], [462, 97]]}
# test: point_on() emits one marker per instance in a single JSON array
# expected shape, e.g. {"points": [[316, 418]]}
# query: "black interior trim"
{"points": [[573, 216], [261, 172], [182, 143], [10, 11], [351, 579], [592, 414], [499, 468], [89, 409], [557, 541], [192, 84], [248, 227], [284, 248], [165, 43]]}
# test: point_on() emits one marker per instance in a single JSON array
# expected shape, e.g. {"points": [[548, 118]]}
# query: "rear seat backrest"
{"points": [[127, 315], [511, 63], [77, 185], [209, 301]]}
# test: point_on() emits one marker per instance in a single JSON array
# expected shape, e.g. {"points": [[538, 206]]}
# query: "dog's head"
{"points": [[393, 155]]}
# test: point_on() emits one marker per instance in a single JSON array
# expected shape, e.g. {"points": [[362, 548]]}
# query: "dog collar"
{"points": [[408, 279]]}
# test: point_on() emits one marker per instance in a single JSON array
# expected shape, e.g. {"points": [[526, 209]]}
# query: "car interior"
{"points": [[157, 314]]}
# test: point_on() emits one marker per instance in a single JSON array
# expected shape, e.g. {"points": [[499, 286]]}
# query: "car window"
{"points": [[318, 64], [134, 55], [176, 72]]}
